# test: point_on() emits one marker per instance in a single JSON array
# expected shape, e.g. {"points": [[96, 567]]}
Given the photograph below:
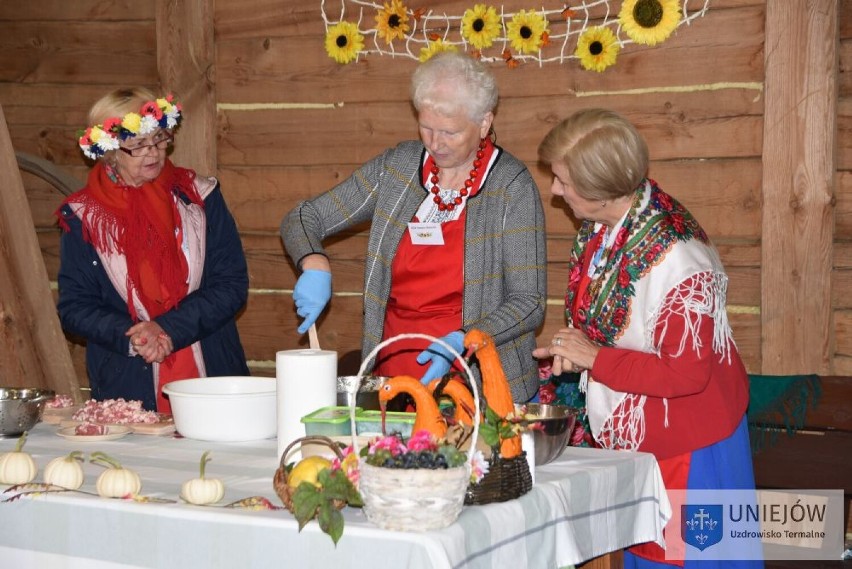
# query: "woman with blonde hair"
{"points": [[152, 271], [647, 322]]}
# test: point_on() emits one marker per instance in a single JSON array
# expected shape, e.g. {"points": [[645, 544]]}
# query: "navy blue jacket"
{"points": [[90, 308]]}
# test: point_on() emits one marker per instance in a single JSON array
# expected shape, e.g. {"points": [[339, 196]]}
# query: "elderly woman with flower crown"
{"points": [[152, 269], [456, 238]]}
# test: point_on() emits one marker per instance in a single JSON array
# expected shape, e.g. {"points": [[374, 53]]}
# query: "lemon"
{"points": [[307, 470]]}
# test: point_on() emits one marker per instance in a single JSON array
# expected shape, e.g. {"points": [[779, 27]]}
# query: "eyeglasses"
{"points": [[159, 143]]}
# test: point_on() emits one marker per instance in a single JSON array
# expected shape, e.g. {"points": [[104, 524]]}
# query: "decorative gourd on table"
{"points": [[428, 415], [461, 396], [17, 466], [116, 481], [495, 385], [65, 471], [201, 490]]}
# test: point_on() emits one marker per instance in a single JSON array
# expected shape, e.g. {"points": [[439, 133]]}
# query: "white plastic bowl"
{"points": [[224, 409]]}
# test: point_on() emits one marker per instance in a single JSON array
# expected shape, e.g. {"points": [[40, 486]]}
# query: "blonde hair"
{"points": [[605, 155], [118, 103]]}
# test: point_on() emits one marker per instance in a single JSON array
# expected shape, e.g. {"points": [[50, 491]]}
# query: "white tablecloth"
{"points": [[587, 503]]}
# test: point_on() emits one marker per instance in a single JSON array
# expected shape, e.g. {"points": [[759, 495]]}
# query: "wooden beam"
{"points": [[33, 351], [185, 61], [798, 172]]}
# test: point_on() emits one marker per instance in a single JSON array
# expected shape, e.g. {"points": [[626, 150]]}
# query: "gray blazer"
{"points": [[505, 283]]}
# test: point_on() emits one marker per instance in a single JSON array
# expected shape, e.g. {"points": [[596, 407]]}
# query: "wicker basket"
{"points": [[281, 478], [414, 499], [507, 479]]}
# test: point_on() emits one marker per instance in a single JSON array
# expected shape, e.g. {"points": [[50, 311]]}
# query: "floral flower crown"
{"points": [[101, 138]]}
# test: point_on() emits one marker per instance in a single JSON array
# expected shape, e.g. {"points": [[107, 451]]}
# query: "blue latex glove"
{"points": [[440, 357], [311, 293]]}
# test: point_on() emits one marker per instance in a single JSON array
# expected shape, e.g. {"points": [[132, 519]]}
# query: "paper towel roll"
{"points": [[306, 381]]}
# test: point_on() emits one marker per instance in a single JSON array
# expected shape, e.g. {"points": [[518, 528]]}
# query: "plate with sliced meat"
{"points": [[91, 432]]}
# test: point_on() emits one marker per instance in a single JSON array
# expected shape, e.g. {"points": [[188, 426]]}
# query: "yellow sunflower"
{"points": [[649, 21], [392, 21], [435, 47], [343, 41], [597, 48], [480, 26], [527, 31]]}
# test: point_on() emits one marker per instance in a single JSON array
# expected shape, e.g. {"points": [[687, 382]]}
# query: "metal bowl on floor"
{"points": [[557, 424], [20, 409], [368, 391]]}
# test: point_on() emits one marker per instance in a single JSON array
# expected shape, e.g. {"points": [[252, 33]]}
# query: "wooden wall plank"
{"points": [[841, 291], [32, 353], [269, 324], [252, 18], [678, 126], [87, 52], [185, 60], [798, 157], [843, 205], [76, 11], [723, 194], [296, 68], [843, 332]]}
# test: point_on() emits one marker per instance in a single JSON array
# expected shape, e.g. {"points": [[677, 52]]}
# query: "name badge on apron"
{"points": [[426, 233]]}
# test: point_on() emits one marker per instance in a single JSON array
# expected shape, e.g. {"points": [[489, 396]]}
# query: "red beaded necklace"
{"points": [[468, 184]]}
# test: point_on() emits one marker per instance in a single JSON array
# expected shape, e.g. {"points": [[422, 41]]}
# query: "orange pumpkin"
{"points": [[495, 385], [462, 399], [428, 414]]}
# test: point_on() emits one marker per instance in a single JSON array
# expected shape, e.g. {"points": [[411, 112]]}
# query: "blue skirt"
{"points": [[723, 465]]}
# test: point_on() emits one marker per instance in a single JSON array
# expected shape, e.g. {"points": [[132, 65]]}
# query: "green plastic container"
{"points": [[369, 422], [329, 421]]}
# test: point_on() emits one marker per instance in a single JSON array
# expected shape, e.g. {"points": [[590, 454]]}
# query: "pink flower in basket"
{"points": [[422, 440], [391, 443], [478, 467], [349, 465]]}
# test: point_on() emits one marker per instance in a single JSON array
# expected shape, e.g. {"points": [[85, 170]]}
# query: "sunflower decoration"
{"points": [[480, 26], [392, 21], [435, 46], [527, 31], [597, 48], [343, 41], [649, 22]]}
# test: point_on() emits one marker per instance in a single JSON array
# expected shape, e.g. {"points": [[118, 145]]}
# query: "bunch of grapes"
{"points": [[446, 456]]}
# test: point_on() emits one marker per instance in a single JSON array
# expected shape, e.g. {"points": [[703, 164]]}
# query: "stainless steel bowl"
{"points": [[553, 438], [368, 392], [20, 409]]}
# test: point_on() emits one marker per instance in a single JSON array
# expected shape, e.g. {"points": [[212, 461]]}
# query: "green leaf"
{"points": [[330, 521], [489, 434], [491, 417], [306, 499]]}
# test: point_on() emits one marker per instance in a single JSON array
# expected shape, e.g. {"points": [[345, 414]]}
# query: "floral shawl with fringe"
{"points": [[634, 288]]}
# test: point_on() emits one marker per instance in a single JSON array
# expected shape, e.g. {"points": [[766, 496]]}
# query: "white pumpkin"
{"points": [[203, 490], [116, 481], [17, 467], [65, 471]]}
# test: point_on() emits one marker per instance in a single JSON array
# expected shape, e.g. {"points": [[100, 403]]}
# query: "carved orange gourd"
{"points": [[495, 385], [462, 399], [428, 414]]}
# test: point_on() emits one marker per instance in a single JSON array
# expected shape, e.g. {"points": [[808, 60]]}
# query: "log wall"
{"points": [[290, 123]]}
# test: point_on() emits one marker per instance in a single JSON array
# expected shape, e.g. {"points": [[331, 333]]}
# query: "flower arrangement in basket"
{"points": [[398, 490], [317, 487]]}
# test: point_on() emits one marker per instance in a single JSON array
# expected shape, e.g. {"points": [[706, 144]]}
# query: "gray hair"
{"points": [[450, 81]]}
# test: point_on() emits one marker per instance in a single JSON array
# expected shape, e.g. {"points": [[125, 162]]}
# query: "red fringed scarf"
{"points": [[141, 224]]}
